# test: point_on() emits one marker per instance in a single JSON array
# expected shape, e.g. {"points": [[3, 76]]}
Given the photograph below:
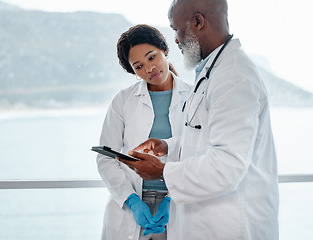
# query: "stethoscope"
{"points": [[207, 75]]}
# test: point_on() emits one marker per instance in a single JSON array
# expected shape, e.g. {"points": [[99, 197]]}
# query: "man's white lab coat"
{"points": [[225, 186]]}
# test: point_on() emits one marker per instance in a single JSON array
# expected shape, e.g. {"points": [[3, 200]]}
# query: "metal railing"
{"points": [[97, 183]]}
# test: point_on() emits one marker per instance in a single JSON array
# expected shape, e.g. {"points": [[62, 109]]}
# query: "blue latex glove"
{"points": [[140, 210], [154, 230], [160, 219]]}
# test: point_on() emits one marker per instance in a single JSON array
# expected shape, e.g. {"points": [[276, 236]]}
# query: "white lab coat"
{"points": [[127, 124], [225, 185]]}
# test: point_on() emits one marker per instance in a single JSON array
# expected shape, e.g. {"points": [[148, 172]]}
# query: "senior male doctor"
{"points": [[225, 184]]}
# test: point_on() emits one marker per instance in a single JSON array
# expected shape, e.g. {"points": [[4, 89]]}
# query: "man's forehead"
{"points": [[174, 9], [170, 9]]}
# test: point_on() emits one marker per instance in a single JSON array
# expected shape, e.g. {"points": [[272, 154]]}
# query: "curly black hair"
{"points": [[136, 35]]}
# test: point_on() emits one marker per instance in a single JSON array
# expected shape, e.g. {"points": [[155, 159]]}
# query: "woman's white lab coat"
{"points": [[225, 186], [127, 124]]}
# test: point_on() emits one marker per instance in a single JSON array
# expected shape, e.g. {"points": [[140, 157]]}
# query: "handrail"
{"points": [[287, 178], [60, 183], [97, 183]]}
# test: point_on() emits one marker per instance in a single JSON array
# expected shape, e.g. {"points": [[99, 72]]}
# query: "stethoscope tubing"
{"points": [[207, 75]]}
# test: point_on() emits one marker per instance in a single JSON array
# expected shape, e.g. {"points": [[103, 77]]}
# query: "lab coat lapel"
{"points": [[143, 94], [233, 44], [178, 89]]}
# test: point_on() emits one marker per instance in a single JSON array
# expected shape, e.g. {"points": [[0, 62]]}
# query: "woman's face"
{"points": [[151, 64]]}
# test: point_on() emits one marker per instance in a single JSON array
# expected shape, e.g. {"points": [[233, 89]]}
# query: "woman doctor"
{"points": [[138, 209]]}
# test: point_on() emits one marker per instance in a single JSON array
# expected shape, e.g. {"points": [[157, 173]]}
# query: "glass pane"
{"points": [[52, 214], [78, 213], [65, 64], [295, 214], [50, 144], [293, 136]]}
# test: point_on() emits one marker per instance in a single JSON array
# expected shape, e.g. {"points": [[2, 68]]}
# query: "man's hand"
{"points": [[149, 167], [153, 146]]}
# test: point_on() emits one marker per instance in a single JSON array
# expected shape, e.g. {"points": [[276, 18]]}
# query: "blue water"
{"points": [[56, 144], [52, 144]]}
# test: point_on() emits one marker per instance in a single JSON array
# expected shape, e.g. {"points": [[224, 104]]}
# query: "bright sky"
{"points": [[279, 30]]}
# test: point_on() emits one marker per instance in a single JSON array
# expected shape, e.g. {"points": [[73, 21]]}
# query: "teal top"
{"points": [[161, 128], [161, 101]]}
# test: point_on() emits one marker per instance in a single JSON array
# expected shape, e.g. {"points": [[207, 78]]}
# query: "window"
{"points": [[59, 71]]}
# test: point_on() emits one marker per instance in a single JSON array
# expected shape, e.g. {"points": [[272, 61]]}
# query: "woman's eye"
{"points": [[139, 67], [152, 57]]}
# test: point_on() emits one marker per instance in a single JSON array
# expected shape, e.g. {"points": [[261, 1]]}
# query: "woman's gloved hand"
{"points": [[154, 230], [160, 219], [140, 210]]}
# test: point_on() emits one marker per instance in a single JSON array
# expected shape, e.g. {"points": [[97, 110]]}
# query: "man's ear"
{"points": [[198, 20]]}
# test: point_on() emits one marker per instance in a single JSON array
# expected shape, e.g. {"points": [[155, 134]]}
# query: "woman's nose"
{"points": [[150, 68]]}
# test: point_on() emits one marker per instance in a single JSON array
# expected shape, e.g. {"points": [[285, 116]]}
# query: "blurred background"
{"points": [[59, 71]]}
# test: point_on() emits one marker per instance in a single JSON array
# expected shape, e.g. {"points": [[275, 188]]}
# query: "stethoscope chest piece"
{"points": [[192, 108]]}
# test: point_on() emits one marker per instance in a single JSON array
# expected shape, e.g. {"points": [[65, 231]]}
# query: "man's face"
{"points": [[191, 49], [186, 40]]}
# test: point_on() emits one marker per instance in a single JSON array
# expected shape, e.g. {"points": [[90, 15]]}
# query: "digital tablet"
{"points": [[107, 151]]}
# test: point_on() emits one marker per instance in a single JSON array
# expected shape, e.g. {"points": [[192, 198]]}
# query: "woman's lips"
{"points": [[155, 75]]}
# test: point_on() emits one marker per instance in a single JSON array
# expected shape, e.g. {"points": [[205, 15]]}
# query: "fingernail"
{"points": [[130, 152]]}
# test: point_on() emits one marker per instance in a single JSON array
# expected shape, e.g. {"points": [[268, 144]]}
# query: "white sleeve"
{"points": [[173, 149], [110, 169], [233, 122]]}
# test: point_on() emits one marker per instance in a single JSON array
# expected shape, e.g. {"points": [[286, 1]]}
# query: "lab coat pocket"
{"points": [[113, 216], [194, 134]]}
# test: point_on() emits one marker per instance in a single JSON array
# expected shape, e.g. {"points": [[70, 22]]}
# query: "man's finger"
{"points": [[139, 155], [130, 164], [143, 146], [156, 151]]}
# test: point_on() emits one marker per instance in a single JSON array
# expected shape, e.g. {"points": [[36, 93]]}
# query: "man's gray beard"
{"points": [[191, 51]]}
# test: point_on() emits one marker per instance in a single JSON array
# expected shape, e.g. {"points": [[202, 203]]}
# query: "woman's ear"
{"points": [[198, 21]]}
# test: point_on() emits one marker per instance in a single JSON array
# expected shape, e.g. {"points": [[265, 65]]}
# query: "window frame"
{"points": [[97, 183]]}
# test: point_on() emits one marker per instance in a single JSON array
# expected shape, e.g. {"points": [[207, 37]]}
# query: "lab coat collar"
{"points": [[143, 93], [142, 89], [201, 65], [178, 88], [234, 44]]}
